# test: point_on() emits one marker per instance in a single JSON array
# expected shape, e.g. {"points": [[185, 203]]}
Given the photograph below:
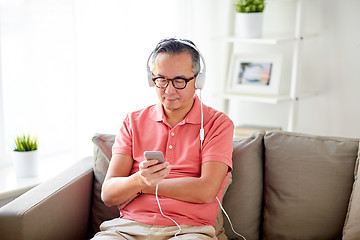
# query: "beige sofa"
{"points": [[284, 186]]}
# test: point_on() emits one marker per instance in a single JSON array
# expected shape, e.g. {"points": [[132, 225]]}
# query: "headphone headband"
{"points": [[200, 78]]}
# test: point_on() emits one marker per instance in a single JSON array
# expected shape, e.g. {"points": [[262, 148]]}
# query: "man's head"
{"points": [[173, 46], [175, 64]]}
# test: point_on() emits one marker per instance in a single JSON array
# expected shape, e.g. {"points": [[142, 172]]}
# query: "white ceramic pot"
{"points": [[249, 25], [25, 163]]}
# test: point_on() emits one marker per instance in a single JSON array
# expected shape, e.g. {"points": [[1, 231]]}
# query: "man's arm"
{"points": [[196, 190], [119, 187]]}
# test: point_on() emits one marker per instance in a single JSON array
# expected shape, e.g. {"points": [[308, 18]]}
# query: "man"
{"points": [[196, 167]]}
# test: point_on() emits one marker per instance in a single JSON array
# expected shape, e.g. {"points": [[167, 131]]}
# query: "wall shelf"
{"points": [[258, 98], [270, 40]]}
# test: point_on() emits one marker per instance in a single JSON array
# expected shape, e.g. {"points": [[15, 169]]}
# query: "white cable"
{"points": [[228, 218], [202, 122], [158, 202]]}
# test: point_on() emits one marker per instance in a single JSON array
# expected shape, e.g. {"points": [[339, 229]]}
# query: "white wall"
{"points": [[336, 111]]}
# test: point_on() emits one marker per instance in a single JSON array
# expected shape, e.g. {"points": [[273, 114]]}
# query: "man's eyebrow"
{"points": [[161, 75], [181, 76]]}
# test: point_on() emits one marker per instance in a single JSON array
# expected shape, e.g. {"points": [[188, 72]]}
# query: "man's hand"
{"points": [[201, 189], [152, 173]]}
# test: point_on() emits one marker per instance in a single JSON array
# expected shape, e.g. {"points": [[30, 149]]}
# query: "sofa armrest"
{"points": [[56, 209]]}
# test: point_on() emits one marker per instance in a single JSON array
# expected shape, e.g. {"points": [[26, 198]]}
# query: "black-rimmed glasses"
{"points": [[178, 82]]}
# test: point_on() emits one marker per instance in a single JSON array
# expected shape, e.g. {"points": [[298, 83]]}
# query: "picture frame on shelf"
{"points": [[254, 74]]}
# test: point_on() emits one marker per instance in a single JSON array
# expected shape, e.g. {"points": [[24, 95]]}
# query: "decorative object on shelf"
{"points": [[254, 74], [25, 156], [249, 18]]}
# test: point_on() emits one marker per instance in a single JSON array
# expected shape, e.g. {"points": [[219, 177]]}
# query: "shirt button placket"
{"points": [[172, 134]]}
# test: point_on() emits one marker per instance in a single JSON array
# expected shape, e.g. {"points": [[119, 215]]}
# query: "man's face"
{"points": [[172, 66]]}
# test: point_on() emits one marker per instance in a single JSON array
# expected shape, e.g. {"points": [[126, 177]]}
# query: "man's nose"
{"points": [[170, 88]]}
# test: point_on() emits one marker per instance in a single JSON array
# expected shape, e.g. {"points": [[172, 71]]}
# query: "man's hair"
{"points": [[174, 46]]}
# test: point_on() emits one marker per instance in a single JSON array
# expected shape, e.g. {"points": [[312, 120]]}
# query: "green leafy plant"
{"points": [[249, 6], [25, 143]]}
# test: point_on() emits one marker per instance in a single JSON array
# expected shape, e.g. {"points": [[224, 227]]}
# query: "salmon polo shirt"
{"points": [[148, 130]]}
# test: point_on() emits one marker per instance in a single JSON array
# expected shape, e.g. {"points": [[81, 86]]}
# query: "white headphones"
{"points": [[200, 78]]}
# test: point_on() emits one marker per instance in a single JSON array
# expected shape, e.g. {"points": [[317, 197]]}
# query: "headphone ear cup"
{"points": [[200, 81], [149, 73], [150, 81]]}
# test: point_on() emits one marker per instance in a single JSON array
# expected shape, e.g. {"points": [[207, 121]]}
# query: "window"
{"points": [[2, 130], [63, 63]]}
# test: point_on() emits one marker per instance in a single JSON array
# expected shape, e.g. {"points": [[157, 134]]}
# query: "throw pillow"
{"points": [[243, 199], [307, 185], [352, 223], [102, 155]]}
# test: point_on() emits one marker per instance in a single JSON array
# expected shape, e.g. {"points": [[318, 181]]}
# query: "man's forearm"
{"points": [[203, 189], [187, 189], [118, 190]]}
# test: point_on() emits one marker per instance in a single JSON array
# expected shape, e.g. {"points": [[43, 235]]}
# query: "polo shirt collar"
{"points": [[157, 113]]}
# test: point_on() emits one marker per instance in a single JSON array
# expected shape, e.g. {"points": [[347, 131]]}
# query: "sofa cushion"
{"points": [[102, 155], [352, 223], [307, 185], [243, 200]]}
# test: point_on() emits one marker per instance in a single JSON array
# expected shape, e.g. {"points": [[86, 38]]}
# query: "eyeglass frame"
{"points": [[172, 81]]}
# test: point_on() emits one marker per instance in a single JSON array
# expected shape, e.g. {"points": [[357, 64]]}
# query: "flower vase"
{"points": [[249, 25]]}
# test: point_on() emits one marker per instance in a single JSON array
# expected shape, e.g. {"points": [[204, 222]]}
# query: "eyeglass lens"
{"points": [[177, 82]]}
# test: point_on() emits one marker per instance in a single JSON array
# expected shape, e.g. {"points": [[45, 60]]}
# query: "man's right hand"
{"points": [[152, 173]]}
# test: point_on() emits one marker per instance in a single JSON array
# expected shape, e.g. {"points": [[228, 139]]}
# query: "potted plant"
{"points": [[25, 156], [249, 18]]}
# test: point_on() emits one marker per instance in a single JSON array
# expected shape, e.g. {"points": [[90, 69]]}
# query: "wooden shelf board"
{"points": [[258, 98], [270, 40]]}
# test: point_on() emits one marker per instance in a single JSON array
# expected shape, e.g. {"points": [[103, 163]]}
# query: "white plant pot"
{"points": [[249, 25], [25, 163]]}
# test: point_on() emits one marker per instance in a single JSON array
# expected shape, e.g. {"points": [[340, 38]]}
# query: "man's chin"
{"points": [[170, 106], [171, 103]]}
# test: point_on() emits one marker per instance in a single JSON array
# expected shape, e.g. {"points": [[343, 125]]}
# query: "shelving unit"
{"points": [[293, 96]]}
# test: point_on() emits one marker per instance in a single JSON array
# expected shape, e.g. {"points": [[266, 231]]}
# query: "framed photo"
{"points": [[254, 74]]}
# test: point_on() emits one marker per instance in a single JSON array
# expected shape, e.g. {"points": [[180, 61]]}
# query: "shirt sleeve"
{"points": [[218, 143], [123, 140]]}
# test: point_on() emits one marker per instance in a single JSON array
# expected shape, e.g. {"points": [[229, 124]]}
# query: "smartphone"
{"points": [[154, 155]]}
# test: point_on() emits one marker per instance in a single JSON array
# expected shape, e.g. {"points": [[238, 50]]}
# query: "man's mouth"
{"points": [[170, 99]]}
